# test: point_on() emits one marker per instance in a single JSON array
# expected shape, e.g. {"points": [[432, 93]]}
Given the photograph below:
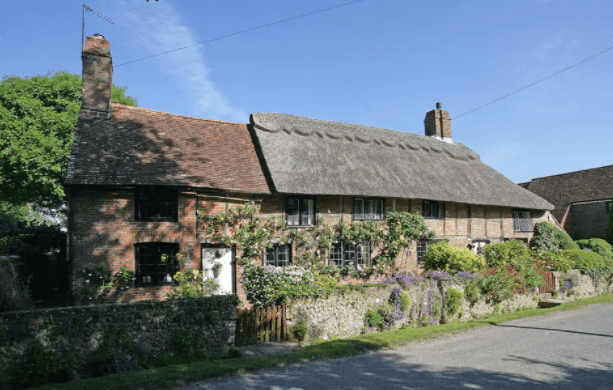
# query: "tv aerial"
{"points": [[90, 9]]}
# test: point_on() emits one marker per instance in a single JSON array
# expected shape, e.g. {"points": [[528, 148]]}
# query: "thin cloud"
{"points": [[158, 27]]}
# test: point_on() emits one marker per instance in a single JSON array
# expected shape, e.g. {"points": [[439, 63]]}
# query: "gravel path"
{"points": [[566, 350]]}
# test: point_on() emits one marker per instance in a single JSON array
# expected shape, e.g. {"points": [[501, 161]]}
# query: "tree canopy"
{"points": [[37, 120]]}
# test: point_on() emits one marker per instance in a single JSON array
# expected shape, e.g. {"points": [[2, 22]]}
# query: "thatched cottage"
{"points": [[138, 179]]}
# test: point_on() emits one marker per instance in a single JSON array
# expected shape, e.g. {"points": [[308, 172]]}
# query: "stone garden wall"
{"points": [[338, 316], [79, 342]]}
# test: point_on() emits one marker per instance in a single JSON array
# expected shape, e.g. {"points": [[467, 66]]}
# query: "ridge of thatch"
{"points": [[311, 156]]}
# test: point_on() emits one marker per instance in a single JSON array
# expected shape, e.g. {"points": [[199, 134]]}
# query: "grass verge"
{"points": [[180, 374]]}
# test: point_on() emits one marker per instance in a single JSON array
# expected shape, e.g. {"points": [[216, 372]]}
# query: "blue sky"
{"points": [[383, 63]]}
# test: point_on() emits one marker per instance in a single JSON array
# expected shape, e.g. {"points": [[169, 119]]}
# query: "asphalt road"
{"points": [[566, 350]]}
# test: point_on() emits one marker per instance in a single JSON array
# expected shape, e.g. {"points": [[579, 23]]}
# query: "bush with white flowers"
{"points": [[270, 285]]}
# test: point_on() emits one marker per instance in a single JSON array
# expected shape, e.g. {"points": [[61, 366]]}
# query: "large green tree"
{"points": [[37, 120]]}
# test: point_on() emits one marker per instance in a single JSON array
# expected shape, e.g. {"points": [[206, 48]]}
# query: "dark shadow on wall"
{"points": [[115, 156]]}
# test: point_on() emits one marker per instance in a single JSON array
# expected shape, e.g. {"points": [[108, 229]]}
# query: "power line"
{"points": [[534, 83], [243, 31]]}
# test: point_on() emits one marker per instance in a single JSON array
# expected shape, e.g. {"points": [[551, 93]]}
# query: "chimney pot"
{"points": [[439, 106]]}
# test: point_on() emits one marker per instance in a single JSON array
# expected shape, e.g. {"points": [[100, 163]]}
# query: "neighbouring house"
{"points": [[139, 179], [582, 199]]}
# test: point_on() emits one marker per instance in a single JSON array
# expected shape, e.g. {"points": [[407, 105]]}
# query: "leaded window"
{"points": [[433, 209], [368, 208], [278, 255], [156, 205], [300, 211], [422, 248], [155, 263], [522, 221], [344, 253]]}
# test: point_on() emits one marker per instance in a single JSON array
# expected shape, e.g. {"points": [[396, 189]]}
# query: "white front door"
{"points": [[217, 264]]}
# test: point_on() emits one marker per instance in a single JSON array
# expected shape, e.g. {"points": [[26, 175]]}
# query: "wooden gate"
{"points": [[549, 286], [261, 325]]}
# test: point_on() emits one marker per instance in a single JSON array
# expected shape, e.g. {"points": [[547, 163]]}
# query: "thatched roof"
{"points": [[579, 186], [137, 146], [310, 156]]}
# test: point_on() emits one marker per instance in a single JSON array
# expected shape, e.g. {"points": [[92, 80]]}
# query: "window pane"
{"points": [[425, 212], [292, 211], [358, 208], [441, 210], [369, 212], [336, 255], [349, 254], [306, 211], [378, 209], [363, 254]]}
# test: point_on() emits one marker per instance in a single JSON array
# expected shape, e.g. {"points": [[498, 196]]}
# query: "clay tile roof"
{"points": [[137, 146], [579, 186], [311, 156]]}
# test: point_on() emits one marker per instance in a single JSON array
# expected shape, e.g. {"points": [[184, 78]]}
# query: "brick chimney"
{"points": [[438, 123], [97, 77]]}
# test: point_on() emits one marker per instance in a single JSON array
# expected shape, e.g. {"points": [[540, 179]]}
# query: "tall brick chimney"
{"points": [[97, 77], [438, 123]]}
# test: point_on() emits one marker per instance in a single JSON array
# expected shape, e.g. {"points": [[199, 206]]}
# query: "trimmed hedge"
{"points": [[441, 256], [504, 253], [549, 237], [585, 259], [599, 246]]}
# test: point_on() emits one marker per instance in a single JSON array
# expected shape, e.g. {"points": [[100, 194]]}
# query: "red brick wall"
{"points": [[104, 229]]}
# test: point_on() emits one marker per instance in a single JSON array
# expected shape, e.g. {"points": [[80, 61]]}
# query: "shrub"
{"points": [[583, 259], [442, 256], [599, 246], [504, 253], [549, 237], [326, 281], [405, 302], [269, 285], [501, 283], [192, 286], [373, 318], [471, 293], [556, 260], [453, 301], [300, 329]]}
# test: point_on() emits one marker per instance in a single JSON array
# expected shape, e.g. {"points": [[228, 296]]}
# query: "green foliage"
{"points": [[300, 329], [453, 301], [269, 285], [326, 281], [505, 253], [503, 282], [373, 318], [191, 285], [555, 259], [441, 256], [609, 236], [583, 259], [402, 228], [472, 293], [14, 291], [599, 246], [37, 117], [405, 302], [549, 237], [600, 274]]}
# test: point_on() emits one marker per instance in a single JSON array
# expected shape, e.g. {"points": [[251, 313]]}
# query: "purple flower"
{"points": [[406, 280], [437, 275], [466, 275]]}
